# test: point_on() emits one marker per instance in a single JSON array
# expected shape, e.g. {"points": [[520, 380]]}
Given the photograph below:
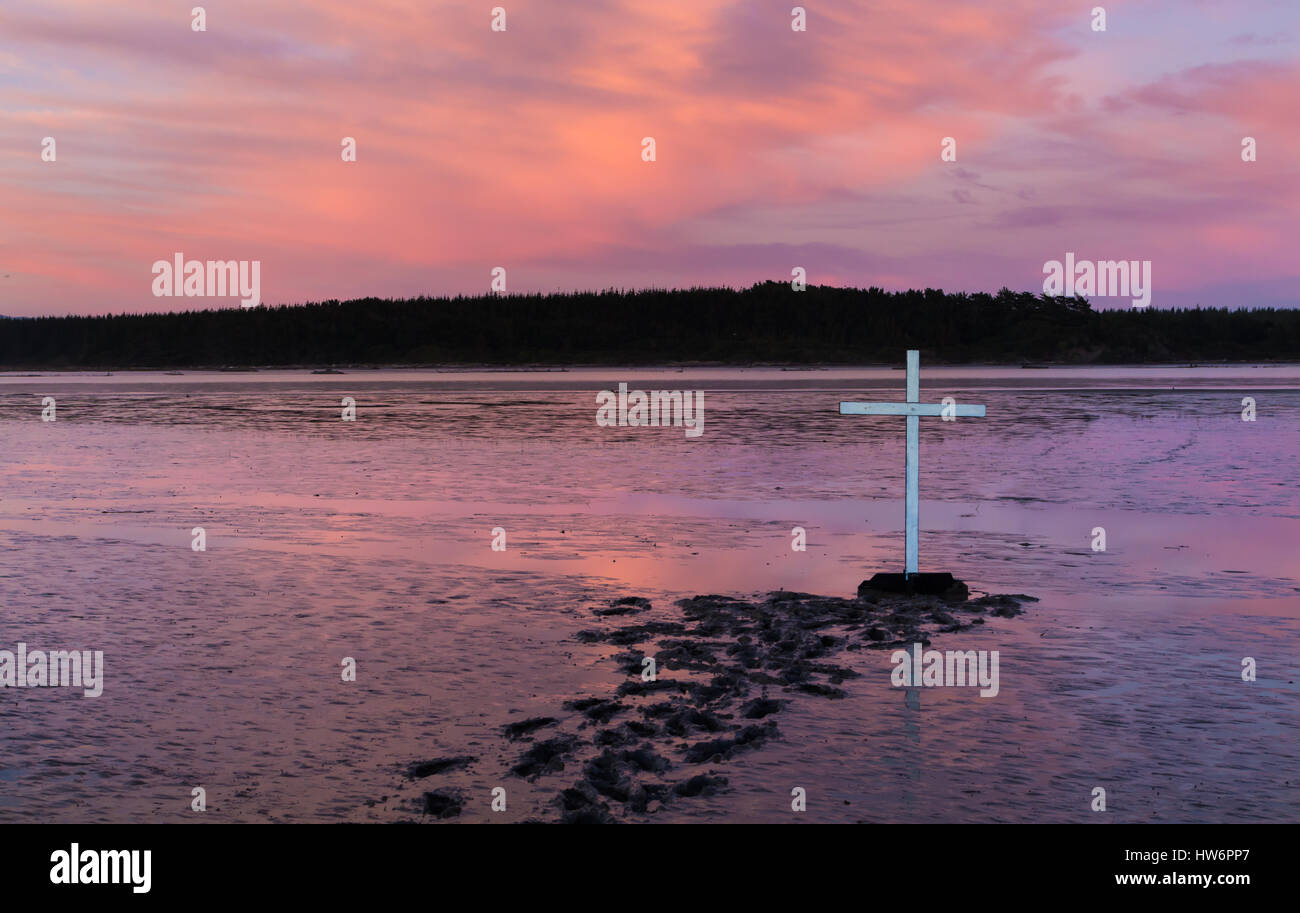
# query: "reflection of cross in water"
{"points": [[912, 732], [912, 726], [913, 410]]}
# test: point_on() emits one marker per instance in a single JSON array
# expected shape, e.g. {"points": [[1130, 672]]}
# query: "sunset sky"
{"points": [[522, 148]]}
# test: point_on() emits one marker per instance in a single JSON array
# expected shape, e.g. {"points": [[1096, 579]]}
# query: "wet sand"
{"points": [[372, 541], [703, 691]]}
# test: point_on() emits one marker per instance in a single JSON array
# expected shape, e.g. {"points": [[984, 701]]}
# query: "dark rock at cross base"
{"points": [[943, 585]]}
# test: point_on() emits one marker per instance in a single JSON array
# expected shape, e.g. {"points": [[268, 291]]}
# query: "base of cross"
{"points": [[945, 585]]}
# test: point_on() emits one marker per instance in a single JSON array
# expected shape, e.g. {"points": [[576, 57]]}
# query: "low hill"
{"points": [[768, 322]]}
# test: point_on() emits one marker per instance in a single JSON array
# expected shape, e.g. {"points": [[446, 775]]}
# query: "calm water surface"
{"points": [[372, 540]]}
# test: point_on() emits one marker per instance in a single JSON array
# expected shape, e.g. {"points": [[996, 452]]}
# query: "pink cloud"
{"points": [[522, 148]]}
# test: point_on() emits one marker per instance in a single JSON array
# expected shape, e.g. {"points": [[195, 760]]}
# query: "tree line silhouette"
{"points": [[768, 322]]}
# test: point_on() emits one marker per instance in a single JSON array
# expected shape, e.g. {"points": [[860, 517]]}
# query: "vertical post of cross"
{"points": [[913, 409], [913, 463]]}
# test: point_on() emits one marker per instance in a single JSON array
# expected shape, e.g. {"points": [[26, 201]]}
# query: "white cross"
{"points": [[913, 410]]}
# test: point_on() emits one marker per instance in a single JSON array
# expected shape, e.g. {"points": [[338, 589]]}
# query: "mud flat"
{"points": [[724, 671]]}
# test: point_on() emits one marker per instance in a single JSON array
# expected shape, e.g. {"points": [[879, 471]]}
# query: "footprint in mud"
{"points": [[729, 655]]}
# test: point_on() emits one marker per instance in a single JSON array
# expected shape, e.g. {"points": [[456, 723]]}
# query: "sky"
{"points": [[522, 148]]}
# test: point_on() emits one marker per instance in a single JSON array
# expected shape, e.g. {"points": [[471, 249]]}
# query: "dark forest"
{"points": [[767, 323]]}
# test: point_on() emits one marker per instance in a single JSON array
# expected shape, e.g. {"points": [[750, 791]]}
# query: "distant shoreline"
{"points": [[769, 324], [468, 368]]}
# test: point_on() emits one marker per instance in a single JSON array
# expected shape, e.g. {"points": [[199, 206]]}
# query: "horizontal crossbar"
{"points": [[909, 409]]}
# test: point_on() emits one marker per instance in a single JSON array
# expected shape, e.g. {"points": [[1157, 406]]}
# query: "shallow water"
{"points": [[371, 539]]}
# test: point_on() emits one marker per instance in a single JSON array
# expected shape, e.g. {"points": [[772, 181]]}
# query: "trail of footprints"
{"points": [[734, 664]]}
